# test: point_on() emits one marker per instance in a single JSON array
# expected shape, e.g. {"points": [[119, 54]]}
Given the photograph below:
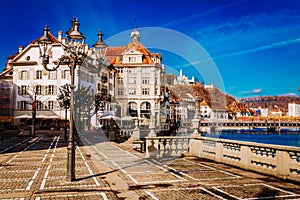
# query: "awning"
{"points": [[110, 117], [23, 116]]}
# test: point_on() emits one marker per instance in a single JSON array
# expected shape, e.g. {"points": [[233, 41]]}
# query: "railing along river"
{"points": [[279, 161]]}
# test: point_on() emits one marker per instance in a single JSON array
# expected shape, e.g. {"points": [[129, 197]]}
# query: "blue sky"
{"points": [[255, 44]]}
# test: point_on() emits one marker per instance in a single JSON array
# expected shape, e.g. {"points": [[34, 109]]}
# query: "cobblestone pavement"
{"points": [[35, 168], [183, 178]]}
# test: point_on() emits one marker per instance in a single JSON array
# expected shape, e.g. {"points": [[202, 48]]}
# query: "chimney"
{"points": [[21, 48], [60, 35]]}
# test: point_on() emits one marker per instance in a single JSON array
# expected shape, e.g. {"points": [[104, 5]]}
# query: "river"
{"points": [[285, 138]]}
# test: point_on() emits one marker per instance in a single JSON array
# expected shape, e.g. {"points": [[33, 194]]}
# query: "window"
{"points": [[65, 74], [132, 80], [132, 59], [104, 77], [132, 91], [120, 70], [50, 105], [22, 90], [51, 89], [146, 106], [38, 74], [132, 70], [104, 90], [146, 70], [24, 75], [145, 91], [38, 89], [39, 105], [52, 75], [145, 80], [22, 105], [120, 80], [120, 91]]}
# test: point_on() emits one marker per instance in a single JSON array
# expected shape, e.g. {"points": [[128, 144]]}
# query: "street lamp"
{"points": [[101, 98], [63, 99], [74, 56]]}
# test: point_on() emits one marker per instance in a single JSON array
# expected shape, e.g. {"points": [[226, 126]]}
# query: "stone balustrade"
{"points": [[157, 147], [279, 161]]}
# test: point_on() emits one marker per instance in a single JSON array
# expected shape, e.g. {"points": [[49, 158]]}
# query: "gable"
{"points": [[132, 56], [7, 74], [132, 52], [29, 54]]}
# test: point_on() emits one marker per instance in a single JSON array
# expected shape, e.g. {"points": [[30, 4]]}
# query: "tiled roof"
{"points": [[51, 37], [114, 54]]}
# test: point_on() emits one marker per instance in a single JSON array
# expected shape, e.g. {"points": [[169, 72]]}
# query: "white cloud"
{"points": [[290, 94], [256, 91]]}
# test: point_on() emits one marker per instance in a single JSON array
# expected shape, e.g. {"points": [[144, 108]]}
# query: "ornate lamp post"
{"points": [[100, 98], [63, 99], [74, 56]]}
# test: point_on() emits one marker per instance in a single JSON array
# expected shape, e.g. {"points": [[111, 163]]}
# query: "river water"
{"points": [[285, 138]]}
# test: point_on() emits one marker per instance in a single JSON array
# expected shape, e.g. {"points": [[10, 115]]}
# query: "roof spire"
{"points": [[135, 35], [134, 23]]}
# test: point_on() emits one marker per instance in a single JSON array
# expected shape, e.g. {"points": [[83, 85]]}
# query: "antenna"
{"points": [[134, 23]]}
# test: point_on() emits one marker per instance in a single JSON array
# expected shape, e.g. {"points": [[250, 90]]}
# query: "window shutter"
{"points": [[19, 90], [54, 105], [28, 75], [45, 90], [20, 75], [54, 89], [18, 105]]}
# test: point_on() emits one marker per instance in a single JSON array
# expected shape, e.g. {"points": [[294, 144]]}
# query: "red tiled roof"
{"points": [[51, 37], [114, 54]]}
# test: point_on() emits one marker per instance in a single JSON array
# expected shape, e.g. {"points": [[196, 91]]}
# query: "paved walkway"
{"points": [[35, 168]]}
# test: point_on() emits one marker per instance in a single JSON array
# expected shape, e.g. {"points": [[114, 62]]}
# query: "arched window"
{"points": [[146, 110], [132, 109]]}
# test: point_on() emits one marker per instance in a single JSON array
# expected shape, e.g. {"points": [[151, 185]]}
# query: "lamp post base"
{"points": [[71, 162]]}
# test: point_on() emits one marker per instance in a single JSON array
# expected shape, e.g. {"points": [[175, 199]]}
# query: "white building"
{"points": [[183, 80], [205, 110], [139, 80], [35, 86], [293, 110]]}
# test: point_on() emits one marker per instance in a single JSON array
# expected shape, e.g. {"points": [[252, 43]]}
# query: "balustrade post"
{"points": [[219, 152], [282, 161], [245, 156], [151, 148]]}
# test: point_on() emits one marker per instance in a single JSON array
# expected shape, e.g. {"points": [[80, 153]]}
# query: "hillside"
{"points": [[271, 102], [217, 99]]}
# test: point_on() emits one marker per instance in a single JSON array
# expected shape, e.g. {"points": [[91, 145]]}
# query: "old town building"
{"points": [[35, 88], [139, 80]]}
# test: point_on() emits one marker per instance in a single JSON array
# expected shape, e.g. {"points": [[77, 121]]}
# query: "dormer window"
{"points": [[132, 59]]}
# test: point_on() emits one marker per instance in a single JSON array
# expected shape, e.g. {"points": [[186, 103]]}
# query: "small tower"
{"points": [[135, 35]]}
